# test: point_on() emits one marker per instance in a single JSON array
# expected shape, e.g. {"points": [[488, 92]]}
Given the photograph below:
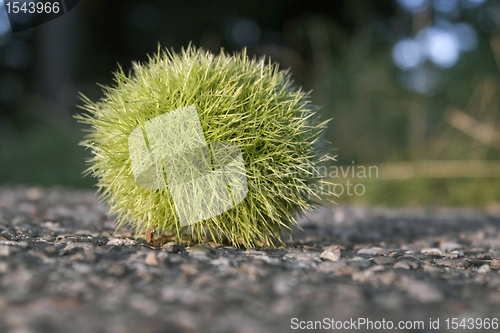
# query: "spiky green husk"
{"points": [[247, 102]]}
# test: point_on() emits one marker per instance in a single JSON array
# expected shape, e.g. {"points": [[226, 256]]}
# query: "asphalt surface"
{"points": [[63, 270]]}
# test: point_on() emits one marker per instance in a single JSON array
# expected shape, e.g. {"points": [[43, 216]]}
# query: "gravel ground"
{"points": [[63, 270]]}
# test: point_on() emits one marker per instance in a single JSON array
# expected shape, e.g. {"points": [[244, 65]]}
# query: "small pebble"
{"points": [[418, 256], [495, 264], [77, 257], [484, 269], [455, 263], [173, 248], [151, 259], [450, 246], [338, 268], [477, 262], [189, 269], [4, 250], [432, 269], [432, 251], [402, 264], [397, 254], [384, 260], [450, 255], [373, 250], [385, 252], [252, 271], [121, 241], [117, 270], [367, 274], [406, 264], [331, 253], [362, 262], [301, 255], [200, 249], [34, 194]]}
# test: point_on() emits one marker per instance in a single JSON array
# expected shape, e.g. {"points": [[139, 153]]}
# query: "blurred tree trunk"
{"points": [[56, 58]]}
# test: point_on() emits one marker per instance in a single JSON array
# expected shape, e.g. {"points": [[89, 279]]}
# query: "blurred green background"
{"points": [[412, 85]]}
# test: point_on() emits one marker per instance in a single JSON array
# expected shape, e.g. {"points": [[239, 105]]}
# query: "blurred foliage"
{"points": [[343, 51], [461, 192], [376, 119], [44, 154]]}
